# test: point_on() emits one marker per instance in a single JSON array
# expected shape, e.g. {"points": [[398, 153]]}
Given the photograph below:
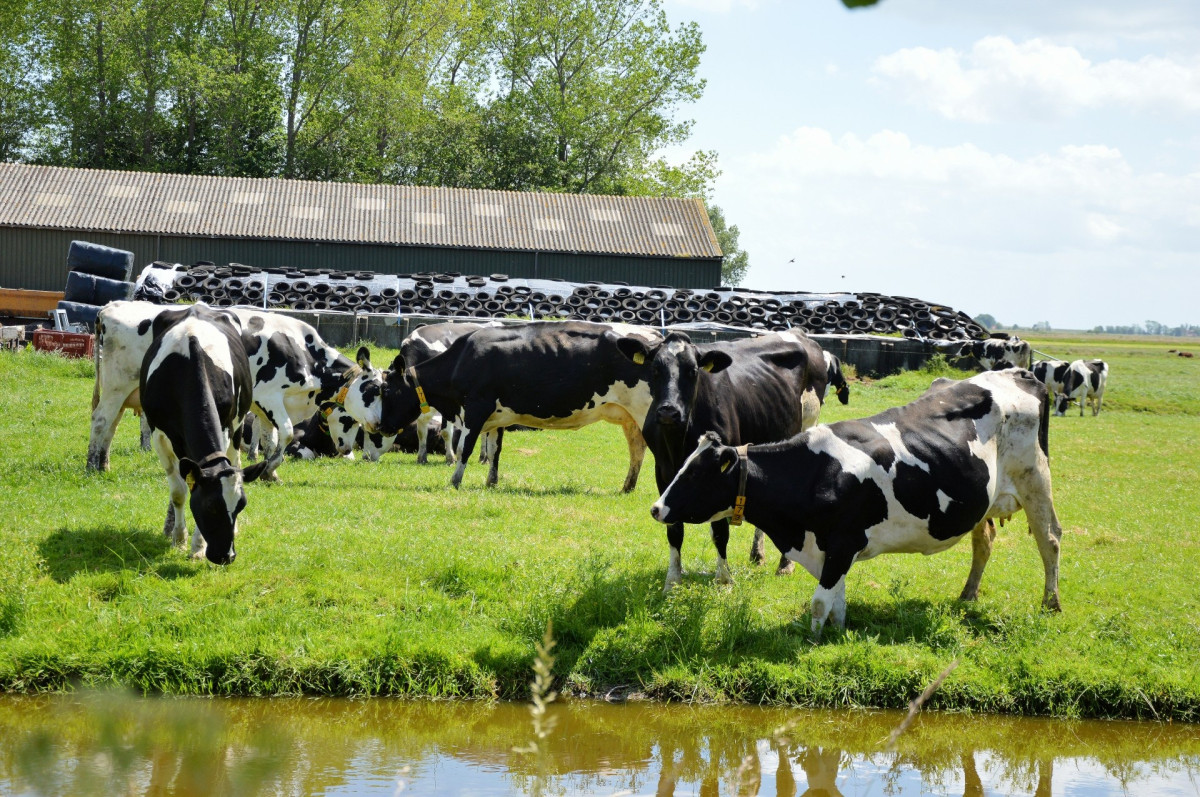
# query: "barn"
{"points": [[389, 229]]}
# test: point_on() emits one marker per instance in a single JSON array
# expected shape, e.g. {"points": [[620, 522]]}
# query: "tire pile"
{"points": [[97, 275], [498, 296]]}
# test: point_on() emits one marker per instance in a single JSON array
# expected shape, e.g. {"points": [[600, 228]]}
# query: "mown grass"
{"points": [[368, 579]]}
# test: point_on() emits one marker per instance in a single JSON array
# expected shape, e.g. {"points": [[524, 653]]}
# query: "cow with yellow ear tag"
{"points": [[754, 390]]}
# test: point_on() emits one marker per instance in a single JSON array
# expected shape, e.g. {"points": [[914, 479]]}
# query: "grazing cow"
{"points": [[1051, 373], [293, 373], [834, 377], [323, 436], [1084, 380], [998, 353], [547, 375], [913, 479], [403, 406], [754, 390], [195, 389]]}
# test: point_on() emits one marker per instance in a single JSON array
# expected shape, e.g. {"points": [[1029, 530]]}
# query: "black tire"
{"points": [[100, 261]]}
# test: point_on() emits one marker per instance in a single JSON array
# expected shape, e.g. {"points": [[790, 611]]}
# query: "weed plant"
{"points": [[359, 578]]}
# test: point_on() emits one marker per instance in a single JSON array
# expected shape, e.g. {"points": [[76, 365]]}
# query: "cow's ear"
{"points": [[254, 471], [634, 349], [397, 365], [715, 361], [363, 358], [726, 458], [190, 471]]}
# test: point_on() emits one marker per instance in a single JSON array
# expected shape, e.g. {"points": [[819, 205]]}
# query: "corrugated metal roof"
{"points": [[301, 210]]}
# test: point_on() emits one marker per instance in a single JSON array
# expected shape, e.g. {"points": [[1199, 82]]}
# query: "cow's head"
{"points": [[835, 377], [344, 431], [216, 498], [675, 366], [704, 489], [399, 403], [363, 396]]}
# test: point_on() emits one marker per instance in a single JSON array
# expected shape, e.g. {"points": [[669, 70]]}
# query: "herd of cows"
{"points": [[732, 427]]}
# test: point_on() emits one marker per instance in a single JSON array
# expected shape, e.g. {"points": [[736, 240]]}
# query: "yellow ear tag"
{"points": [[707, 367], [725, 467], [639, 358], [191, 482], [340, 398], [327, 411]]}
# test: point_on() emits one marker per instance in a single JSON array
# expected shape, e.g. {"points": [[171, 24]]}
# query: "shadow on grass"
{"points": [[107, 549]]}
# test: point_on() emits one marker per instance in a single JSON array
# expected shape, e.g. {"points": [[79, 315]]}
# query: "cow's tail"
{"points": [[1044, 421], [96, 363]]}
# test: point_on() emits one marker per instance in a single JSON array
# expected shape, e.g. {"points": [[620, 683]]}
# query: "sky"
{"points": [[1037, 161]]}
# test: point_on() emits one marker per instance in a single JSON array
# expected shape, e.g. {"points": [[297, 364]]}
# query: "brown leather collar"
{"points": [[739, 503]]}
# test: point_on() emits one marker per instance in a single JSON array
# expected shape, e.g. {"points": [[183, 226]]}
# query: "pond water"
{"points": [[111, 744]]}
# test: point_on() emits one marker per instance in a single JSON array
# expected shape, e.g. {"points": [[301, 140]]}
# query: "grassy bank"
{"points": [[357, 578]]}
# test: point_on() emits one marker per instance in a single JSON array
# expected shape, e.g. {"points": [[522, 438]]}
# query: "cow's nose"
{"points": [[669, 414], [654, 511]]}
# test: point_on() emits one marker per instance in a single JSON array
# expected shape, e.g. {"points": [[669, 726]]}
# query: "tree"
{"points": [[987, 321], [592, 85], [737, 261]]}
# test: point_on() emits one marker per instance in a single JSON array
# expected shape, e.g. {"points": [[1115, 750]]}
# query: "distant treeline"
{"points": [[564, 95], [1151, 328]]}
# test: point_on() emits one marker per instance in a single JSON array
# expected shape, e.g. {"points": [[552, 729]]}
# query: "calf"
{"points": [[998, 353], [1051, 374], [292, 369], [754, 390], [1084, 380], [834, 377], [913, 479], [195, 389], [546, 375]]}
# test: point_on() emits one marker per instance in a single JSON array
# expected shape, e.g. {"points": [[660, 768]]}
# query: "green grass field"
{"points": [[363, 579]]}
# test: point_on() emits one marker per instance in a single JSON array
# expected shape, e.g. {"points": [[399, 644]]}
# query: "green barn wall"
{"points": [[37, 259]]}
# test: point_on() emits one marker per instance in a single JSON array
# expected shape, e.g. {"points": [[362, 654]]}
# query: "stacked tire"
{"points": [[97, 275], [453, 295]]}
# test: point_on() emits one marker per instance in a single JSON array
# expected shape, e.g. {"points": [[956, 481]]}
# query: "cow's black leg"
{"points": [[758, 555], [675, 567], [757, 547], [494, 470], [720, 538]]}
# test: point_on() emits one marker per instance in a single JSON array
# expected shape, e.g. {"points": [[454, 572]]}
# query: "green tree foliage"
{"points": [[987, 320], [594, 83], [737, 261], [563, 95]]}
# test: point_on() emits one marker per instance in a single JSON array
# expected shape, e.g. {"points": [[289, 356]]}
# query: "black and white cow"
{"points": [[1051, 373], [998, 353], [1084, 381], [293, 373], [912, 479], [546, 375], [333, 432], [195, 389], [321, 436], [834, 377], [754, 390], [403, 408]]}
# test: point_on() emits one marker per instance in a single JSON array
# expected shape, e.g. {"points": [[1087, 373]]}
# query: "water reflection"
{"points": [[107, 744]]}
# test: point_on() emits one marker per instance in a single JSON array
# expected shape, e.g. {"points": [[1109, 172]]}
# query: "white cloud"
{"points": [[1000, 79], [979, 230]]}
